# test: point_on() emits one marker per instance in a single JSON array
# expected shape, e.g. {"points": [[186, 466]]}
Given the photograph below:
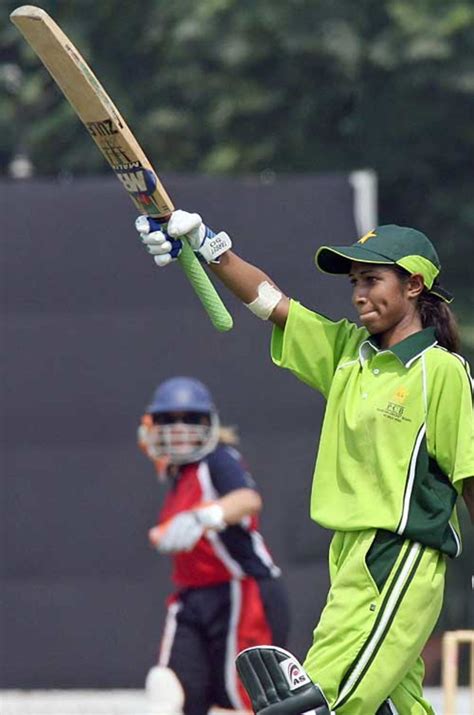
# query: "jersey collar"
{"points": [[406, 350]]}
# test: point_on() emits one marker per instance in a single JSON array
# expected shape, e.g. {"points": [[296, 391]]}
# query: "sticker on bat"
{"points": [[103, 128], [137, 180]]}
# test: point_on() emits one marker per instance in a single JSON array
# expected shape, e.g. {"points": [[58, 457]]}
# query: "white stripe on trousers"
{"points": [[379, 633]]}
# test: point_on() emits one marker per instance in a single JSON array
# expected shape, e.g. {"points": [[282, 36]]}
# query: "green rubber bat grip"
{"points": [[207, 294]]}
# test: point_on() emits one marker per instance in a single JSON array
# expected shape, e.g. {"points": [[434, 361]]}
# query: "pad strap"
{"points": [[277, 684]]}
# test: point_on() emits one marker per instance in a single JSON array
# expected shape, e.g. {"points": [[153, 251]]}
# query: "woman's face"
{"points": [[179, 433], [382, 299]]}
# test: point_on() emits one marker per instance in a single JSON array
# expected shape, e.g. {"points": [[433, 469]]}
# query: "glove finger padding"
{"points": [[156, 240], [156, 243], [183, 223], [163, 249], [148, 224], [277, 683], [162, 261]]}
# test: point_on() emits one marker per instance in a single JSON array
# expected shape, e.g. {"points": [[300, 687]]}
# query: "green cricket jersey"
{"points": [[398, 432]]}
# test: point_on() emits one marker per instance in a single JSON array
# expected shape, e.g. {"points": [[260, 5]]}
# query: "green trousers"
{"points": [[385, 598]]}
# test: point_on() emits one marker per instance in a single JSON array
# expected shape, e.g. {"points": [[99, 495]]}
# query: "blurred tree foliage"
{"points": [[238, 86]]}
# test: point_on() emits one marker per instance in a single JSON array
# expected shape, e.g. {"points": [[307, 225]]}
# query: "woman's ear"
{"points": [[416, 285]]}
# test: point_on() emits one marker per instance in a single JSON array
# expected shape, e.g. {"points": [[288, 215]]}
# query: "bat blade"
{"points": [[95, 108], [113, 137]]}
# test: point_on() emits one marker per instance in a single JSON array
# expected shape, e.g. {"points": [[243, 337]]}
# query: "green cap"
{"points": [[406, 247]]}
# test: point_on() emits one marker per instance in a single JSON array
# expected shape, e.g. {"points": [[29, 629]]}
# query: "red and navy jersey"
{"points": [[218, 557]]}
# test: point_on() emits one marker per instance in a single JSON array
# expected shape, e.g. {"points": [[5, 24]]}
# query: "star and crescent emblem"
{"points": [[370, 234]]}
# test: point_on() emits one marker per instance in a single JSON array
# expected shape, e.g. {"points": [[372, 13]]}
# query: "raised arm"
{"points": [[250, 284], [238, 504], [183, 531], [243, 280]]}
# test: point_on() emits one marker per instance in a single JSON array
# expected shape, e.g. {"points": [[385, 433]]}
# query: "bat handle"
{"points": [[202, 284]]}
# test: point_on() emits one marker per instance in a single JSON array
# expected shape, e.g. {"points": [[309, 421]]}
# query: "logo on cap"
{"points": [[365, 238]]}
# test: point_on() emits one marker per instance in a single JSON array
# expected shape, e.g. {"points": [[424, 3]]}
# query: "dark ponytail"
{"points": [[435, 313]]}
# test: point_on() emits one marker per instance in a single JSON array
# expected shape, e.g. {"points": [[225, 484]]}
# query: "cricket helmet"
{"points": [[183, 421]]}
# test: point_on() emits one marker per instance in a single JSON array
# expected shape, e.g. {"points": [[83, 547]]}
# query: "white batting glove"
{"points": [[182, 532], [164, 242]]}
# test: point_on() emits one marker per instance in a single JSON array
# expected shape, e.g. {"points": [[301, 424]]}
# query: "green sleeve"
{"points": [[451, 420], [311, 346]]}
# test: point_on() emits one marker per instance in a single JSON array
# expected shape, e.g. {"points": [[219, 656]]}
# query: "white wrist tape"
{"points": [[266, 301]]}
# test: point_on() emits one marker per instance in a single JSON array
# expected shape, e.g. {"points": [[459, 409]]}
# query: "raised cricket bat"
{"points": [[110, 132]]}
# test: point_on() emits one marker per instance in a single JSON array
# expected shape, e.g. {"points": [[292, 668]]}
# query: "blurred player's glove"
{"points": [[164, 242], [182, 532]]}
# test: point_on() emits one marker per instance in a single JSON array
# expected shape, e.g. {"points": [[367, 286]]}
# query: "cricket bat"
{"points": [[110, 132]]}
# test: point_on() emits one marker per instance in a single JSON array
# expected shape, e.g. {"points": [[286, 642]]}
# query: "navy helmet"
{"points": [[181, 394], [185, 421]]}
